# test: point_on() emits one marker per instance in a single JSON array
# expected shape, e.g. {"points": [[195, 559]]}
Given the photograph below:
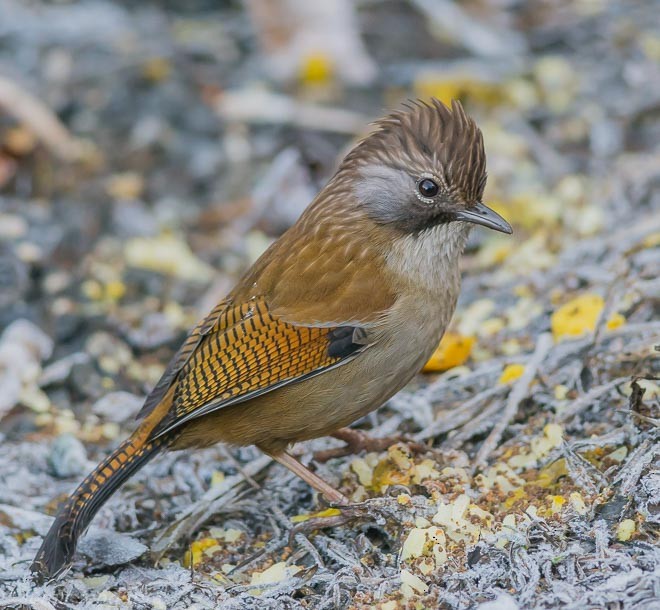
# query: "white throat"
{"points": [[430, 259]]}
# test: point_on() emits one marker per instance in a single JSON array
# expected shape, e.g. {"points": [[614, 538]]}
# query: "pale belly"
{"points": [[320, 405]]}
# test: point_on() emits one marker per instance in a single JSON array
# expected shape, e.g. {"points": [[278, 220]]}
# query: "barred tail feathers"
{"points": [[72, 519]]}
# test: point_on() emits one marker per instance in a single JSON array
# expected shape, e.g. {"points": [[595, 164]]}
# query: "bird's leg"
{"points": [[315, 481], [357, 441]]}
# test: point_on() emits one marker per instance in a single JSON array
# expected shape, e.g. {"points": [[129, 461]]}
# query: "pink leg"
{"points": [[331, 494]]}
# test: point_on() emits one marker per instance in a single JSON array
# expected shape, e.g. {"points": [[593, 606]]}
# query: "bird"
{"points": [[331, 321]]}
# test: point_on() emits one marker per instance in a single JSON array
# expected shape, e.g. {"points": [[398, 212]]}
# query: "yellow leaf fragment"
{"points": [[316, 69], [217, 477], [515, 495], [227, 535], [652, 240], [577, 316], [156, 69], [511, 372], [195, 553], [328, 512], [453, 518], [474, 315], [509, 522], [549, 475], [554, 433], [276, 573], [400, 456], [363, 471], [411, 584], [125, 186], [386, 473], [556, 503], [577, 503], [424, 470], [115, 290], [446, 89], [506, 530], [19, 140], [618, 455], [437, 537], [414, 544], [625, 530], [616, 321], [168, 255], [454, 350]]}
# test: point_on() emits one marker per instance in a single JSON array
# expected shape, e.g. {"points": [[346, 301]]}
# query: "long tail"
{"points": [[59, 545]]}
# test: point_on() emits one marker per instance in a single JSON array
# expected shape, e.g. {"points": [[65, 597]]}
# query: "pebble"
{"points": [[23, 346], [109, 350], [105, 547], [117, 407], [60, 370], [68, 457], [85, 380], [154, 330], [26, 333]]}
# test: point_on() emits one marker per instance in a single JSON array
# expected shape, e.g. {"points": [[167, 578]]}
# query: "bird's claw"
{"points": [[358, 441]]}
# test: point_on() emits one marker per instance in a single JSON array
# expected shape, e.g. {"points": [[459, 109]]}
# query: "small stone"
{"points": [[59, 371], [117, 407], [68, 457], [12, 226], [111, 352], [35, 399], [26, 333], [110, 548], [155, 330], [85, 380], [168, 255], [128, 185]]}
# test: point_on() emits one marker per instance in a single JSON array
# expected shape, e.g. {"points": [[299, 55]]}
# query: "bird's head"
{"points": [[422, 167]]}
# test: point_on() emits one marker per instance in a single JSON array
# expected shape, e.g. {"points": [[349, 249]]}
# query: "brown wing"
{"points": [[181, 358], [246, 352], [322, 295]]}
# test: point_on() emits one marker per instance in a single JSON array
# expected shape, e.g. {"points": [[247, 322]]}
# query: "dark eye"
{"points": [[427, 188]]}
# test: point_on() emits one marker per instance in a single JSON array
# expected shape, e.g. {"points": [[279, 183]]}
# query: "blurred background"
{"points": [[150, 151]]}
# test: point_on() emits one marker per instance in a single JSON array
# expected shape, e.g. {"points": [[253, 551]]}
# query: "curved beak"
{"points": [[480, 214]]}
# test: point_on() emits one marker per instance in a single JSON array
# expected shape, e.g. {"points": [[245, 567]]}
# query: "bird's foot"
{"points": [[357, 441]]}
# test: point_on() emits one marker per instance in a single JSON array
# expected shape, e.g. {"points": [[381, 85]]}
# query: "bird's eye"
{"points": [[427, 188]]}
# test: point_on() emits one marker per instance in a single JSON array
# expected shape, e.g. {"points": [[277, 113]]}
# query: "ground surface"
{"points": [[536, 483]]}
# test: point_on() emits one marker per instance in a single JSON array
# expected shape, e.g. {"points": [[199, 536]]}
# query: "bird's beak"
{"points": [[480, 214]]}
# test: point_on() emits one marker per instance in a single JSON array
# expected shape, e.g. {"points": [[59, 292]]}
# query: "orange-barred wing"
{"points": [[242, 351]]}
